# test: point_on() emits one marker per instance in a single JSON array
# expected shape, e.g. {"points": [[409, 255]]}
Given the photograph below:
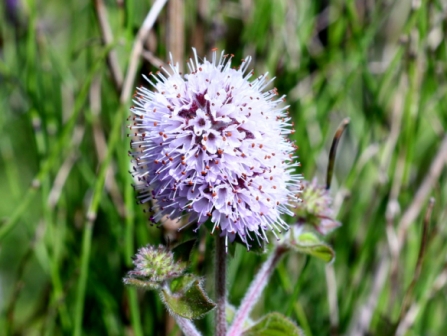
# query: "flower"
{"points": [[213, 145], [315, 208]]}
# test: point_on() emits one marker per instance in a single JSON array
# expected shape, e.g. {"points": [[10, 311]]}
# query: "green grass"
{"points": [[66, 243]]}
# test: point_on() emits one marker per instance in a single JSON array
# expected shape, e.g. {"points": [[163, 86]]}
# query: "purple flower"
{"points": [[213, 145]]}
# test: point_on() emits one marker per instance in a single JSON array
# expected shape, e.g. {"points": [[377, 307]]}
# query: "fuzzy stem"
{"points": [[220, 282], [186, 326], [255, 290]]}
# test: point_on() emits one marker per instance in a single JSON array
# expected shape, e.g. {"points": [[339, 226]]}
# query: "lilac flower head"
{"points": [[213, 144]]}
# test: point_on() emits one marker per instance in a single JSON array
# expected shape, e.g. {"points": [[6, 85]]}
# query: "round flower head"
{"points": [[213, 145]]}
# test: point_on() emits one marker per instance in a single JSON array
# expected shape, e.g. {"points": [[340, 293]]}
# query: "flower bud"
{"points": [[315, 208], [153, 265]]}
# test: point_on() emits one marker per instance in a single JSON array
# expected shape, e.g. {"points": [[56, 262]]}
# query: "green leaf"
{"points": [[185, 297], [183, 250], [274, 324], [309, 243], [180, 284]]}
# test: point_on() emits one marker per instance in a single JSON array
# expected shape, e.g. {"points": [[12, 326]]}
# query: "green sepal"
{"points": [[309, 243], [274, 324], [149, 285], [185, 297]]}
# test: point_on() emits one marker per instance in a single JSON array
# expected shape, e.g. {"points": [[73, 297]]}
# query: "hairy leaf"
{"points": [[274, 324], [185, 297], [309, 243]]}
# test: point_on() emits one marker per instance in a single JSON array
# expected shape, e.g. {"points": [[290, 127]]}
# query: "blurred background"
{"points": [[69, 221]]}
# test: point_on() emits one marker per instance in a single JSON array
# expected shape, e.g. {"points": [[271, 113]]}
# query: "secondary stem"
{"points": [[188, 328], [220, 281], [255, 290]]}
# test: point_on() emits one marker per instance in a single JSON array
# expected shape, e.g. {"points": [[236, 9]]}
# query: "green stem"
{"points": [[135, 312], [220, 282], [82, 284], [128, 253], [91, 216]]}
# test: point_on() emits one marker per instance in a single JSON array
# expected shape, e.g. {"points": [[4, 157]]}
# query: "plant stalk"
{"points": [[255, 291], [186, 326]]}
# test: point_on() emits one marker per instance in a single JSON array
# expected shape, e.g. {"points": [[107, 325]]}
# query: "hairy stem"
{"points": [[186, 326], [255, 291], [220, 283]]}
